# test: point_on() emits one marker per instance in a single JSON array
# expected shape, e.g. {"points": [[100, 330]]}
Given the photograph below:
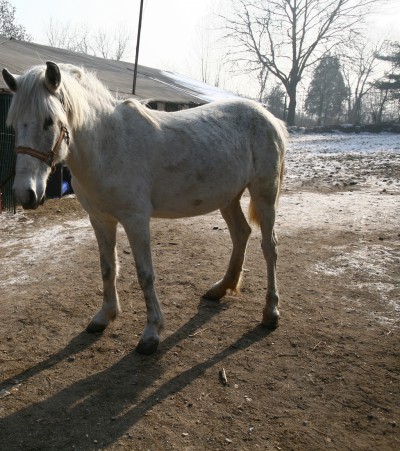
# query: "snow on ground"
{"points": [[345, 143], [29, 249], [340, 160]]}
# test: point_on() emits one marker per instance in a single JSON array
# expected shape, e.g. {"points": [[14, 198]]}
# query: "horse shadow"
{"points": [[94, 412]]}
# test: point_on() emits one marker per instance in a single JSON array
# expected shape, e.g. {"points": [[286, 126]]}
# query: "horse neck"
{"points": [[88, 135]]}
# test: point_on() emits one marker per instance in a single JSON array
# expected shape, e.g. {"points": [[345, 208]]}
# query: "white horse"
{"points": [[130, 163]]}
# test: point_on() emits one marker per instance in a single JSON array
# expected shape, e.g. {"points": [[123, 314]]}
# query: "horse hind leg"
{"points": [[240, 231], [263, 212]]}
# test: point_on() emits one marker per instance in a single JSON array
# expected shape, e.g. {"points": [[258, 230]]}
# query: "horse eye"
{"points": [[48, 123]]}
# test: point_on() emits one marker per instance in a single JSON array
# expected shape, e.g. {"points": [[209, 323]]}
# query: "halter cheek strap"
{"points": [[49, 157]]}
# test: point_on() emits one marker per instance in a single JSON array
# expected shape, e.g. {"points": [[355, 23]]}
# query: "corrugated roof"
{"points": [[18, 56]]}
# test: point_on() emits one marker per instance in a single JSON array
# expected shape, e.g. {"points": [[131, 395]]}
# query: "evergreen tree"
{"points": [[275, 101], [391, 81], [327, 91], [8, 27]]}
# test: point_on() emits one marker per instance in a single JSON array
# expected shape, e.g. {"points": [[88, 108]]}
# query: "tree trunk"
{"points": [[291, 117], [356, 111]]}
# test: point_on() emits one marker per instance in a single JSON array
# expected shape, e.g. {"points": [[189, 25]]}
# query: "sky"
{"points": [[170, 28]]}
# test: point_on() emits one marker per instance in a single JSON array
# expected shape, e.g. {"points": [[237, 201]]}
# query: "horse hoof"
{"points": [[209, 297], [148, 347], [215, 293], [270, 322], [95, 328]]}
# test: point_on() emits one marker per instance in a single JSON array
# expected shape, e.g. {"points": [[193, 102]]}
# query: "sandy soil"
{"points": [[327, 378]]}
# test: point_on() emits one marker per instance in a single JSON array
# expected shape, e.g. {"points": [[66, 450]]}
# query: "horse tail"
{"points": [[280, 143], [253, 215]]}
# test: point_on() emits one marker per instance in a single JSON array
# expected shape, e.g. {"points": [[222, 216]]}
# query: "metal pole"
{"points": [[137, 47]]}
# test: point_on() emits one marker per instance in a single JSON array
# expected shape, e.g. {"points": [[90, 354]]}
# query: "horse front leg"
{"points": [[138, 231], [106, 233]]}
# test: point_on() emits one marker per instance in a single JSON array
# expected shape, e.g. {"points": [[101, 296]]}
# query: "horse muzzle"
{"points": [[30, 200]]}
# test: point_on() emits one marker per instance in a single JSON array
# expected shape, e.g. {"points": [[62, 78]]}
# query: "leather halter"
{"points": [[49, 157]]}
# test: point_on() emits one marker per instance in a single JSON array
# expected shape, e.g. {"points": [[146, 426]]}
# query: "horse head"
{"points": [[39, 118]]}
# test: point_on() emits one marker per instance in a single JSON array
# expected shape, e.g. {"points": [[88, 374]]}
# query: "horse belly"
{"points": [[199, 193], [190, 207]]}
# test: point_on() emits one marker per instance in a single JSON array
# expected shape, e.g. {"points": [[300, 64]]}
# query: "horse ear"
{"points": [[10, 80], [53, 76]]}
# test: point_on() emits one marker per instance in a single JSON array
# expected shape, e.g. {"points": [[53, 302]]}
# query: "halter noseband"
{"points": [[50, 156]]}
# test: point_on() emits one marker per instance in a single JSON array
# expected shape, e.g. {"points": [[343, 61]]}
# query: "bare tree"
{"points": [[58, 36], [207, 53], [286, 37], [83, 40], [80, 39], [65, 36], [102, 44], [112, 46], [377, 101], [204, 57], [262, 78], [122, 41], [360, 65]]}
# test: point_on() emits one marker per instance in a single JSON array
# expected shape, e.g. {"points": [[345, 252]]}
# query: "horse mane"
{"points": [[73, 103]]}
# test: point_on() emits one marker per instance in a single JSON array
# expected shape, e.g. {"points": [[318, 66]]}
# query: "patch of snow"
{"points": [[344, 143], [309, 210], [361, 264], [38, 247]]}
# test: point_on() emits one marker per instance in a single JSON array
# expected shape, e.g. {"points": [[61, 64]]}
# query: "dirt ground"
{"points": [[327, 378]]}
